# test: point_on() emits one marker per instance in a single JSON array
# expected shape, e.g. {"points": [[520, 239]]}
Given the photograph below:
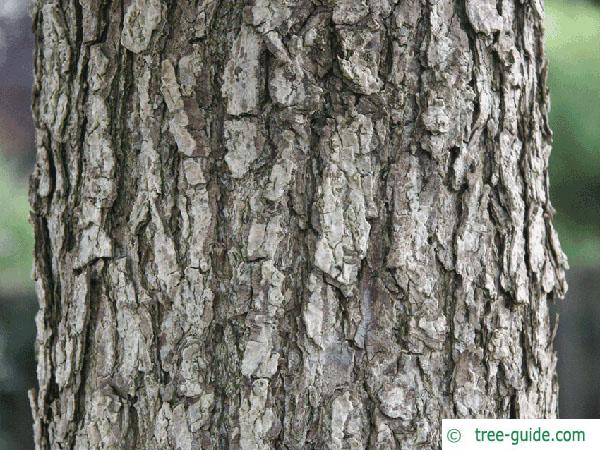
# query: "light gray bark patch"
{"points": [[141, 19], [256, 419], [194, 172], [267, 15], [241, 80], [359, 60], [172, 428], [396, 402], [241, 141], [347, 423], [341, 408], [409, 251], [149, 158], [436, 118], [344, 228], [70, 349], [383, 438], [170, 87], [263, 239], [199, 412], [133, 327], [90, 19], [105, 422], [284, 168], [275, 45], [290, 86], [178, 125], [197, 218], [427, 332], [484, 16], [314, 311], [348, 12], [56, 60], [165, 264], [259, 358], [99, 188]]}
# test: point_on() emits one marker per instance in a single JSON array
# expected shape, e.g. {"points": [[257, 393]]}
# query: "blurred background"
{"points": [[573, 47]]}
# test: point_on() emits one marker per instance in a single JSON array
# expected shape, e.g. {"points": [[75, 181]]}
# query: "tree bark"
{"points": [[276, 224]]}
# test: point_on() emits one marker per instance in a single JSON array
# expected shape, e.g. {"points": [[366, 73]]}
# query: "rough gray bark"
{"points": [[290, 224]]}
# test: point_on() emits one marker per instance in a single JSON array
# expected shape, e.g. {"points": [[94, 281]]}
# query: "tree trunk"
{"points": [[281, 224]]}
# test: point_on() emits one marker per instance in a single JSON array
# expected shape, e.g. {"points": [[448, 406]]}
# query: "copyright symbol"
{"points": [[453, 435]]}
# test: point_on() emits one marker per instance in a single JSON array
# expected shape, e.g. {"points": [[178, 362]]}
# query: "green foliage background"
{"points": [[16, 239], [573, 48]]}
